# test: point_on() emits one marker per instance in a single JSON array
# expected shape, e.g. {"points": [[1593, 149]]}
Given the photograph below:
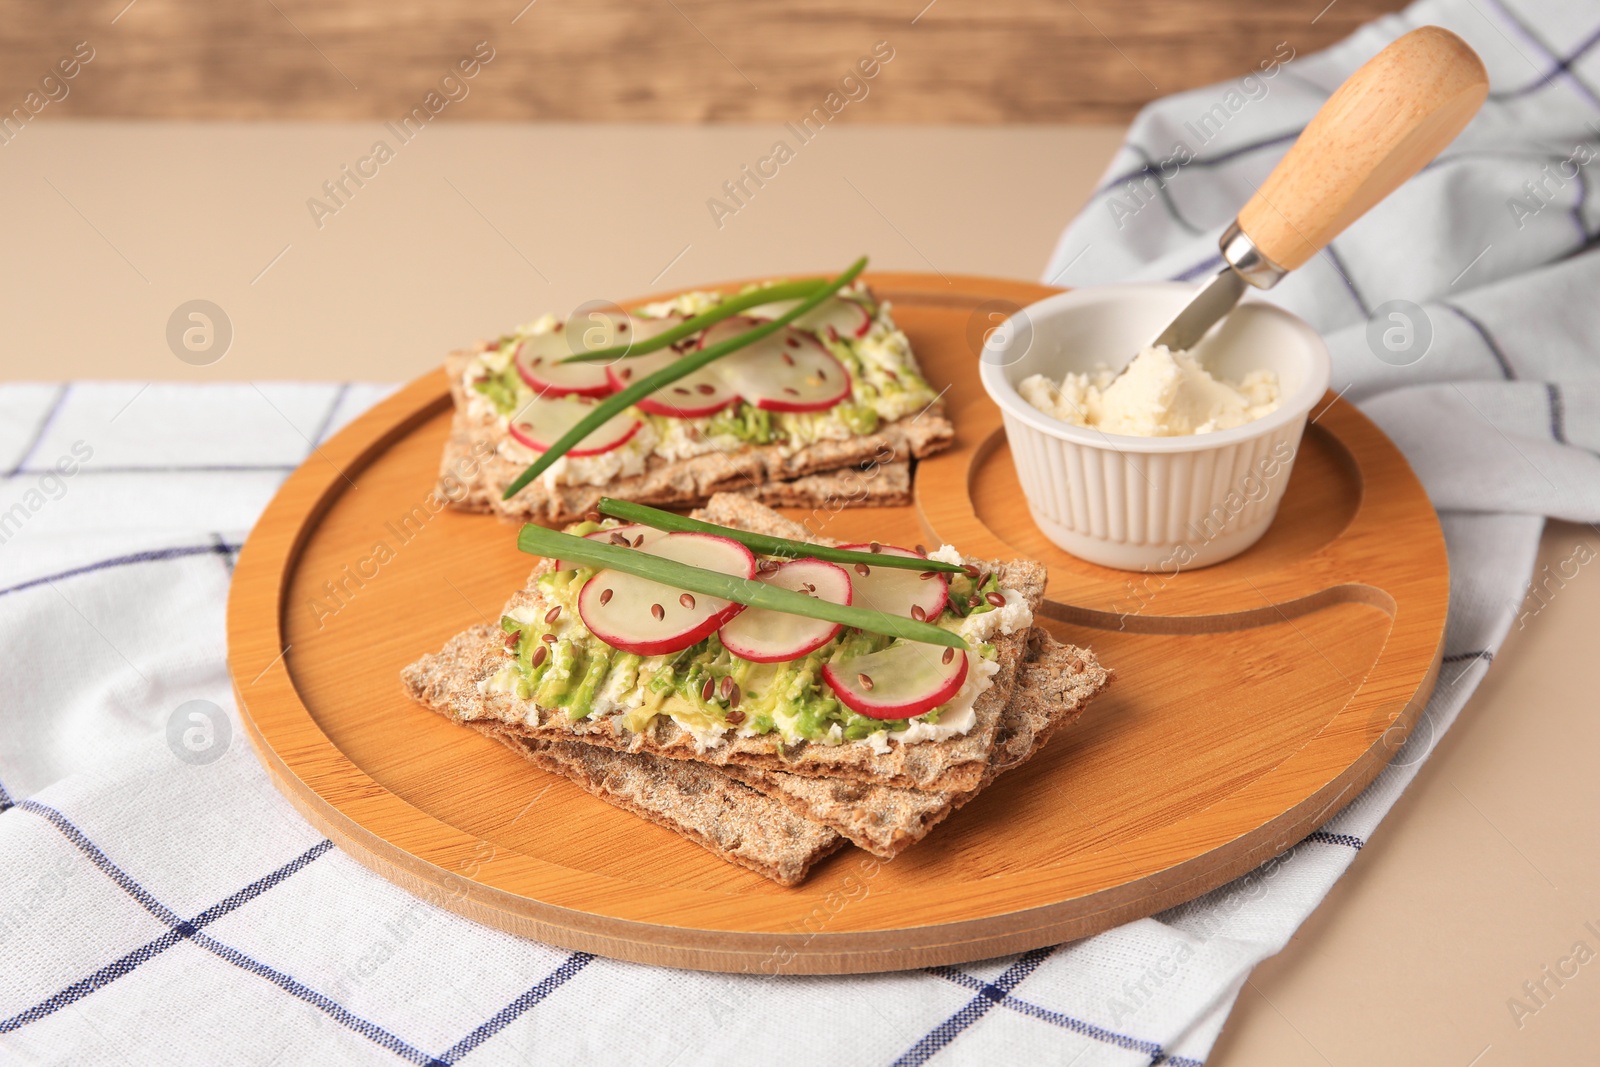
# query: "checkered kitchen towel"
{"points": [[159, 902]]}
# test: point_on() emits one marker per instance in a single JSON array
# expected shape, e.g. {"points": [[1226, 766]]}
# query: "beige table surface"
{"points": [[1484, 873]]}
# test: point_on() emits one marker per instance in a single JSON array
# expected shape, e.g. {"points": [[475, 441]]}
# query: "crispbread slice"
{"points": [[450, 682], [736, 822], [1053, 687], [479, 462], [876, 485]]}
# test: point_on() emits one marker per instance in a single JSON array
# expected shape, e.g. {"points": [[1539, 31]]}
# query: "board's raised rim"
{"points": [[269, 697]]}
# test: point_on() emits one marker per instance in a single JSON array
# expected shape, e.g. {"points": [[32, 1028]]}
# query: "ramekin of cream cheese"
{"points": [[1162, 393], [1182, 460]]}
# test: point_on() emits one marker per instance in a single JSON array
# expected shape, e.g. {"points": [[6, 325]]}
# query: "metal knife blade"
{"points": [[1204, 310]]}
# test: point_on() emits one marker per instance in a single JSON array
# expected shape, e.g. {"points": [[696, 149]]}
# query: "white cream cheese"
{"points": [[1161, 394]]}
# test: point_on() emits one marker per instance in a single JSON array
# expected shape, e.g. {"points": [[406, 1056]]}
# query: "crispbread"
{"points": [[876, 485], [479, 462], [784, 828], [1053, 687], [734, 821], [450, 682]]}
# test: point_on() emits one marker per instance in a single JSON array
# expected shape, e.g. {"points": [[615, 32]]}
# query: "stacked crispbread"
{"points": [[778, 808], [866, 469]]}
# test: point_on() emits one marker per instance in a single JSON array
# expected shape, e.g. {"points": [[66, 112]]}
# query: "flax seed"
{"points": [[687, 601], [866, 681], [863, 570], [605, 597], [735, 717], [708, 689], [919, 613], [552, 615], [949, 654], [996, 599], [538, 656], [658, 611], [548, 639]]}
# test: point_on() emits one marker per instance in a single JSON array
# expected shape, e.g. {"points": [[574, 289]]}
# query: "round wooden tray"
{"points": [[1252, 700]]}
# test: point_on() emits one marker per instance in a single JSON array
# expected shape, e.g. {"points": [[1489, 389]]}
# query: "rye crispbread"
{"points": [[452, 681], [731, 820], [480, 461], [1054, 686], [782, 832]]}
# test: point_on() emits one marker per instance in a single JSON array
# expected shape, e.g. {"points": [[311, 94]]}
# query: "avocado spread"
{"points": [[558, 664], [886, 384]]}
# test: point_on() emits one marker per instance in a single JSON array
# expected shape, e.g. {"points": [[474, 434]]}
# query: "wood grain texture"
{"points": [[1253, 699], [1386, 122], [689, 61]]}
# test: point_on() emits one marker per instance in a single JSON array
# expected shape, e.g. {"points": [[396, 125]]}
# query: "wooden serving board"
{"points": [[1252, 700]]}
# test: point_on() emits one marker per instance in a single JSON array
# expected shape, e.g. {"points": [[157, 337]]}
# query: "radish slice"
{"points": [[767, 636], [902, 681], [651, 619], [705, 392], [544, 419], [844, 318], [788, 371], [633, 534], [538, 360], [897, 591]]}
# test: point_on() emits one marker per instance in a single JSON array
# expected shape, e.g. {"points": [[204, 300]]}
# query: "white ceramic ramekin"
{"points": [[1140, 503]]}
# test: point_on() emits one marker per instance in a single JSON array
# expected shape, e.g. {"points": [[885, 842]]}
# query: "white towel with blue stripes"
{"points": [[160, 902]]}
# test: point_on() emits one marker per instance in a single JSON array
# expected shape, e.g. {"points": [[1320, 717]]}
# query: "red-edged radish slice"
{"points": [[705, 392], [538, 360], [842, 316], [902, 681], [767, 636], [651, 619], [787, 371], [897, 591], [543, 420], [631, 535]]}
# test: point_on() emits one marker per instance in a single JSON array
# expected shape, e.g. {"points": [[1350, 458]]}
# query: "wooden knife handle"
{"points": [[1379, 128]]}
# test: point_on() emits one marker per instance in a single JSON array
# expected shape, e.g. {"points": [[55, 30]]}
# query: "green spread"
{"points": [[581, 676], [886, 385]]}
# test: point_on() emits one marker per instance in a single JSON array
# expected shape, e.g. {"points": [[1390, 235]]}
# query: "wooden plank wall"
{"points": [[953, 61]]}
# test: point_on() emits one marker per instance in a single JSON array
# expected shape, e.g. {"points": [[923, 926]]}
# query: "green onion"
{"points": [[766, 544], [538, 541], [642, 388], [724, 310]]}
